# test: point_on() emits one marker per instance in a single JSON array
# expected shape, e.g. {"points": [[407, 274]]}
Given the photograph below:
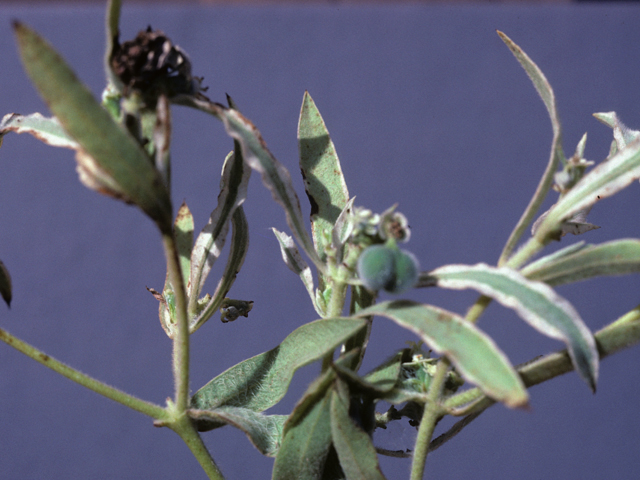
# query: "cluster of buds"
{"points": [[371, 228]]}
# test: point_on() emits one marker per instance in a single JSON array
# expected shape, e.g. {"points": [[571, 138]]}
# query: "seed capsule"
{"points": [[385, 268]]}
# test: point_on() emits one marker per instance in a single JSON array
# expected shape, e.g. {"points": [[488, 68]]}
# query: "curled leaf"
{"points": [[297, 265], [47, 130], [261, 381], [264, 431], [536, 303]]}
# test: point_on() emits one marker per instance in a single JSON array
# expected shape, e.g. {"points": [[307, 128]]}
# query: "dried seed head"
{"points": [[152, 65]]}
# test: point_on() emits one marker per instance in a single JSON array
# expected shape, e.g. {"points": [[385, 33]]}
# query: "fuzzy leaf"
{"points": [[117, 163], [237, 254], [536, 303], [261, 381], [622, 134], [618, 257], [208, 246], [264, 431], [604, 180], [322, 173], [378, 382], [357, 455], [47, 130], [306, 443], [545, 91], [297, 265], [5, 284], [473, 352], [274, 175]]}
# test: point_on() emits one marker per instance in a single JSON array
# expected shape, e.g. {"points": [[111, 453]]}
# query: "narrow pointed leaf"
{"points": [[261, 381], [237, 254], [264, 431], [297, 265], [622, 134], [47, 130], [5, 284], [322, 173], [618, 257], [306, 444], [603, 181], [545, 91], [536, 303], [274, 175], [473, 352], [357, 455], [377, 382], [115, 154], [208, 246]]}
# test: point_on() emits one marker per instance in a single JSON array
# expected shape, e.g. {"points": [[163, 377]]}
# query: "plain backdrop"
{"points": [[427, 108]]}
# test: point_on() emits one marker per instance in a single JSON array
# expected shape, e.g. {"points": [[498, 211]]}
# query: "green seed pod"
{"points": [[384, 268]]}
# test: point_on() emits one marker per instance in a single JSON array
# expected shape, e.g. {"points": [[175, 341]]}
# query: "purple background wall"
{"points": [[427, 108]]}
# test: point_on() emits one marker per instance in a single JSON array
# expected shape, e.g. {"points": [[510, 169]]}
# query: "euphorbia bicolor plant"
{"points": [[122, 148]]}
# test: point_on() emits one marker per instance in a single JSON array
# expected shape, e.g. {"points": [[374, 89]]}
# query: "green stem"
{"points": [[181, 338], [147, 408], [538, 197], [190, 436], [180, 421], [334, 309], [621, 334], [432, 412], [527, 251]]}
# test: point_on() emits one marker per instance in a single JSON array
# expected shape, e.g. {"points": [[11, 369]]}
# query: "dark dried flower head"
{"points": [[152, 65]]}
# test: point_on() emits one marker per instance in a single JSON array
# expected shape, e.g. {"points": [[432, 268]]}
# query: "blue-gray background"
{"points": [[427, 108]]}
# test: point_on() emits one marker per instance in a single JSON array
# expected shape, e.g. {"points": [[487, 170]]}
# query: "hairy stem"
{"points": [[432, 413], [181, 338], [147, 408], [190, 436]]}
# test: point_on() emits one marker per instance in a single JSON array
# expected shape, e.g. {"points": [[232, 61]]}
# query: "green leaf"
{"points": [[237, 254], [261, 381], [545, 91], [208, 246], [322, 174], [113, 162], [297, 265], [274, 175], [618, 257], [377, 382], [5, 284], [622, 134], [536, 303], [604, 180], [306, 442], [357, 455], [47, 130], [472, 352], [264, 431]]}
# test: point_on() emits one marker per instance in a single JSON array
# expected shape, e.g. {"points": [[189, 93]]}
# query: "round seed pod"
{"points": [[384, 268]]}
